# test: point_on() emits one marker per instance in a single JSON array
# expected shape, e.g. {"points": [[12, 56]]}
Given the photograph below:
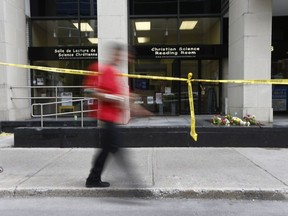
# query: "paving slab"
{"points": [[210, 169], [271, 160], [21, 165]]}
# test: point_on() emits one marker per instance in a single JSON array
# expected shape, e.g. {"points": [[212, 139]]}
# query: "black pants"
{"points": [[110, 143]]}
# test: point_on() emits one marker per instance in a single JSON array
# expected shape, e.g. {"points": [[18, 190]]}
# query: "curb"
{"points": [[148, 193]]}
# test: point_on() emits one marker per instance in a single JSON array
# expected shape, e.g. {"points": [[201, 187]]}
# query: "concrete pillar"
{"points": [[13, 49], [113, 26], [250, 27]]}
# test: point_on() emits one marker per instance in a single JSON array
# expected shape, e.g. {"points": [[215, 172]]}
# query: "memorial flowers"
{"points": [[251, 119], [228, 120]]}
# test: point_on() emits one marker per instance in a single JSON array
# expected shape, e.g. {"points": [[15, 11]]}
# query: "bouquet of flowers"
{"points": [[218, 120], [251, 119], [234, 120]]}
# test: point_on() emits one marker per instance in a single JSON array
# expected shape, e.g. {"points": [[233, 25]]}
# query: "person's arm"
{"points": [[111, 98]]}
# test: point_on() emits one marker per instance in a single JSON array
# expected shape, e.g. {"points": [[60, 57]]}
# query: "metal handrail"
{"points": [[42, 115], [56, 98], [40, 86]]}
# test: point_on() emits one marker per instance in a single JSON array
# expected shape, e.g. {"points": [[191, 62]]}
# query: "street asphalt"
{"points": [[214, 173]]}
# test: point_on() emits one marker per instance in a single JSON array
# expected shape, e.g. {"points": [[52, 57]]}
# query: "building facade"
{"points": [[213, 39]]}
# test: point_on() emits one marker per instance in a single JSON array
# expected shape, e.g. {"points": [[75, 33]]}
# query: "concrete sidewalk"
{"points": [[233, 173]]}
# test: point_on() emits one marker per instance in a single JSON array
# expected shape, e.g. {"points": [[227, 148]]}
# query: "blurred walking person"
{"points": [[111, 105]]}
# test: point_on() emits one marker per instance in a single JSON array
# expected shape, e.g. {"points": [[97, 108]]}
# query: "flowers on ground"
{"points": [[234, 120], [251, 119]]}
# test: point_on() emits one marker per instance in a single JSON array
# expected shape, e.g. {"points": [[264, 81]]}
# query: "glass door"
{"points": [[187, 66], [210, 92], [206, 95], [158, 96]]}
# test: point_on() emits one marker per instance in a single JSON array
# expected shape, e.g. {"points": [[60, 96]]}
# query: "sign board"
{"points": [[62, 53], [279, 98], [155, 51], [182, 51], [66, 98]]}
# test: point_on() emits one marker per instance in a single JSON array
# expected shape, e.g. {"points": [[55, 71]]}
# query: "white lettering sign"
{"points": [[183, 51]]}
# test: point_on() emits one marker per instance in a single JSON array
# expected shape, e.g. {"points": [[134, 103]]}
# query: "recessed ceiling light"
{"points": [[85, 27], [188, 25], [143, 39], [143, 26], [93, 40]]}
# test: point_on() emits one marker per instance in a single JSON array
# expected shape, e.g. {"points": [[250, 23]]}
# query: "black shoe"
{"points": [[94, 183]]}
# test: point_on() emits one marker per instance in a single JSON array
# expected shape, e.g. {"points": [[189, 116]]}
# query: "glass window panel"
{"points": [[63, 8], [206, 31], [61, 33], [89, 37], [280, 31], [42, 78], [163, 31], [153, 7], [200, 6], [54, 33], [158, 7], [279, 69], [88, 7]]}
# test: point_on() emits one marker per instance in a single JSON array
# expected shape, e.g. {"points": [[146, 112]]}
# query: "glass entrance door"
{"points": [[187, 66], [171, 97], [206, 95], [210, 92], [158, 96]]}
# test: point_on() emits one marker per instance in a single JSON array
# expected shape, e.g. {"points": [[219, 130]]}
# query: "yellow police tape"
{"points": [[189, 81], [3, 134], [50, 69]]}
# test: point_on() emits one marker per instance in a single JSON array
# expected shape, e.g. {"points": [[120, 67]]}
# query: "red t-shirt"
{"points": [[109, 83]]}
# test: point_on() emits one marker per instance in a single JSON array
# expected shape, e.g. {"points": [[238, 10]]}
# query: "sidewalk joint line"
{"points": [[284, 183], [42, 168], [153, 164]]}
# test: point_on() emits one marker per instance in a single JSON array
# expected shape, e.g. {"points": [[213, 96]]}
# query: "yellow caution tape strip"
{"points": [[271, 81], [192, 111], [51, 69], [3, 134], [154, 77], [189, 81]]}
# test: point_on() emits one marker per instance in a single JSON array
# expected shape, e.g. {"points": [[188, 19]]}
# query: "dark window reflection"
{"points": [[171, 7], [63, 8], [66, 8], [200, 6], [153, 7]]}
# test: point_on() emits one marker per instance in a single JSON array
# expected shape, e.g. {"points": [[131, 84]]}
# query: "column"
{"points": [[13, 49], [250, 27], [113, 26]]}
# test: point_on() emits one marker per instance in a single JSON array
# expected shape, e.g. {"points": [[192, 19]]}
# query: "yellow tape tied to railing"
{"points": [[188, 80]]}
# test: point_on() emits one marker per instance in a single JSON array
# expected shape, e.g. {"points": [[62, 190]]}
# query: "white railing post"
{"points": [[41, 108], [82, 121], [56, 104]]}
